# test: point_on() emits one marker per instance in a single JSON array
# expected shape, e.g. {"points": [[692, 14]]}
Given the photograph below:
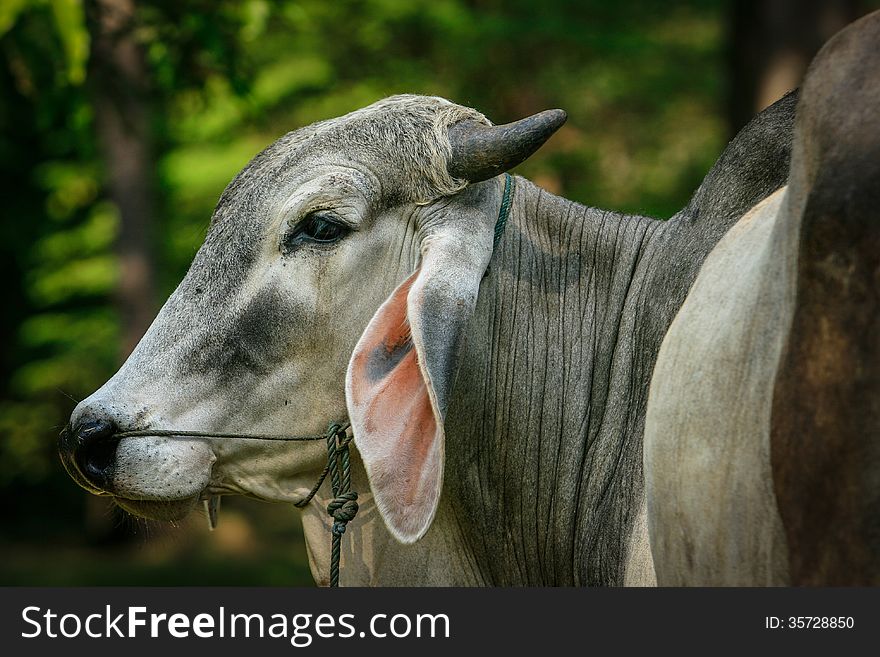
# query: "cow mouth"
{"points": [[165, 510]]}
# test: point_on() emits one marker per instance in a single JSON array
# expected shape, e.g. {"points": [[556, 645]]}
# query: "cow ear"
{"points": [[401, 374]]}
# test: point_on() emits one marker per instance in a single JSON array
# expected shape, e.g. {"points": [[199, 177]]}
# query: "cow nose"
{"points": [[90, 447]]}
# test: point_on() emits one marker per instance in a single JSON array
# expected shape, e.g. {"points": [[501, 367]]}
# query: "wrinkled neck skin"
{"points": [[543, 478]]}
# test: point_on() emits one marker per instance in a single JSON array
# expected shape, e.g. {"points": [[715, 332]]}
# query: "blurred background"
{"points": [[123, 120]]}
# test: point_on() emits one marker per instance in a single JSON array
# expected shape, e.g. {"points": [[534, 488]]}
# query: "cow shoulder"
{"points": [[707, 462]]}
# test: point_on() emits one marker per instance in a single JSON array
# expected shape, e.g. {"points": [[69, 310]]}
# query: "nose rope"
{"points": [[342, 508], [169, 433]]}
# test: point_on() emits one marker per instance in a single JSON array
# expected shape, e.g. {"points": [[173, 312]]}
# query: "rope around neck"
{"points": [[343, 507], [504, 210]]}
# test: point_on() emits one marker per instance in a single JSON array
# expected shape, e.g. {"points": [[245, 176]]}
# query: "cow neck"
{"points": [[542, 395]]}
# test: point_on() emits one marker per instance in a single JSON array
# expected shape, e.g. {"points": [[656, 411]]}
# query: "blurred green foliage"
{"points": [[642, 82]]}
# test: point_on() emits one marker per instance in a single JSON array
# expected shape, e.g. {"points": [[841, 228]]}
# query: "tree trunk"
{"points": [[122, 121], [119, 90], [770, 45]]}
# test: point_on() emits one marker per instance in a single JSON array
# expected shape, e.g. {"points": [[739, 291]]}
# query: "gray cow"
{"points": [[762, 444], [349, 271]]}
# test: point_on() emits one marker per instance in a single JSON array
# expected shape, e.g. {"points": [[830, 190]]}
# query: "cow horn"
{"points": [[480, 152]]}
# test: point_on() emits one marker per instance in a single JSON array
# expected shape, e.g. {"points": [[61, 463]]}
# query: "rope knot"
{"points": [[343, 508]]}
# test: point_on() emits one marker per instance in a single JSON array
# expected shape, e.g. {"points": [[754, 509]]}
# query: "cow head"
{"points": [[336, 279]]}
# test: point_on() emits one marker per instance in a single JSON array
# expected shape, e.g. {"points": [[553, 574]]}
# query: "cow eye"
{"points": [[320, 228], [317, 227]]}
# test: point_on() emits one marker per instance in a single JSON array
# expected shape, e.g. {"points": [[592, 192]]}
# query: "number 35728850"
{"points": [[809, 622]]}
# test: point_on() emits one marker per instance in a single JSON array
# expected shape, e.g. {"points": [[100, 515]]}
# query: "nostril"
{"points": [[99, 459], [95, 450]]}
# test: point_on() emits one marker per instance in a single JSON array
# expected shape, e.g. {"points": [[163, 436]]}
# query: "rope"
{"points": [[206, 434], [308, 498], [343, 507], [504, 211]]}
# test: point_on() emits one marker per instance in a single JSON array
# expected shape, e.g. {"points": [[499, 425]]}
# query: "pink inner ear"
{"points": [[395, 428]]}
